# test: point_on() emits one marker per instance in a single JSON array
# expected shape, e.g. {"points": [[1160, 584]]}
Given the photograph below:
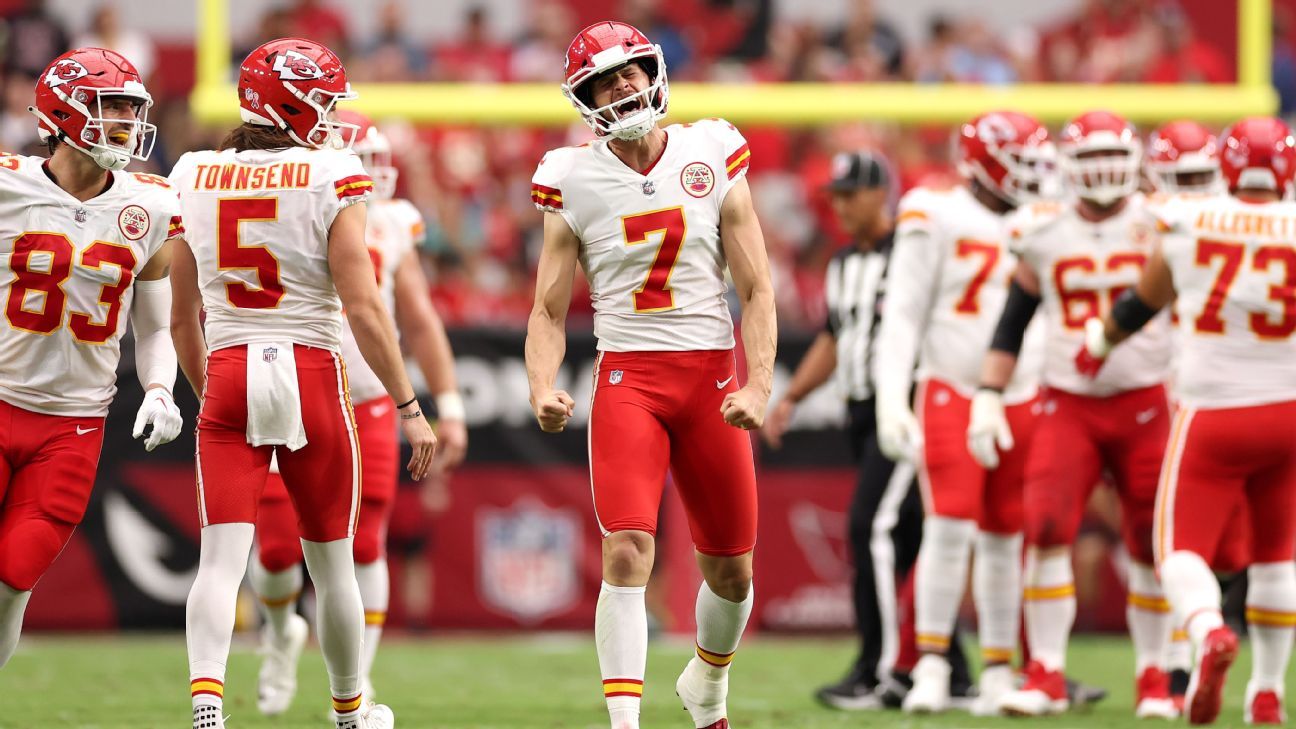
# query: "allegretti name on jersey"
{"points": [[1243, 223], [233, 176]]}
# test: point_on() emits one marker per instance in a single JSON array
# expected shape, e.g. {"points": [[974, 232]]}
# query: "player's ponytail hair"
{"points": [[256, 136]]}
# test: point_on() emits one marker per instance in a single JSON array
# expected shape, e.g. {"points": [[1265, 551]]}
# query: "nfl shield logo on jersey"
{"points": [[615, 377], [269, 354], [80, 215], [527, 559], [649, 188]]}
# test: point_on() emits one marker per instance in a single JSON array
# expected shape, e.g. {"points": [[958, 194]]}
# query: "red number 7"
{"points": [[655, 293]]}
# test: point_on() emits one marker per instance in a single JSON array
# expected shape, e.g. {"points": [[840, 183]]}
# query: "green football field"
{"points": [[494, 683]]}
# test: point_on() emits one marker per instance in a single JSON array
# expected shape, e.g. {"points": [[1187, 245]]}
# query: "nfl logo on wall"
{"points": [[615, 377], [527, 560], [269, 354]]}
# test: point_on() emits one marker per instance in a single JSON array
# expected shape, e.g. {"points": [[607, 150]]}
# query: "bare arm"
{"points": [[813, 370], [186, 325], [546, 340], [744, 250], [998, 366], [425, 336], [353, 276]]}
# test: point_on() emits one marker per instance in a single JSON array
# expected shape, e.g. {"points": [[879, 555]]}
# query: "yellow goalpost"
{"points": [[214, 98]]}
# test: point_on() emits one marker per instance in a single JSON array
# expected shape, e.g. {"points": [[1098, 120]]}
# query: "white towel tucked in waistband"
{"points": [[274, 414]]}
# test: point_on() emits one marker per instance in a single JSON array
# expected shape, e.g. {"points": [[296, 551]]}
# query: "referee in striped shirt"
{"points": [[885, 512]]}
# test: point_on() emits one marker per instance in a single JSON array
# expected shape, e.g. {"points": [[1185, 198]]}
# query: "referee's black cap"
{"points": [[855, 170]]}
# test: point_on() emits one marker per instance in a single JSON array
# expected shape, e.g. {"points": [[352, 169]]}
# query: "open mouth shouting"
{"points": [[629, 106]]}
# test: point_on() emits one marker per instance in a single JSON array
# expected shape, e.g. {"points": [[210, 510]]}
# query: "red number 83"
{"points": [[36, 300]]}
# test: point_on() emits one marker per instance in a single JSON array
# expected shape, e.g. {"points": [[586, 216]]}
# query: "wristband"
{"points": [[407, 403], [450, 406]]}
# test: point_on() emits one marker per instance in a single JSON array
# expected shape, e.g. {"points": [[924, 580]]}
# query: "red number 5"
{"points": [[232, 255], [655, 294]]}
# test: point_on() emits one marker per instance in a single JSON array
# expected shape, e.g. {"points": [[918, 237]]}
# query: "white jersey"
{"points": [[258, 223], [394, 228], [946, 287], [1233, 265], [1082, 267], [67, 272], [650, 243]]}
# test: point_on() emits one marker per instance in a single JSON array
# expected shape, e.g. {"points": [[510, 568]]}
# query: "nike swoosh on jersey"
{"points": [[83, 431], [721, 383]]}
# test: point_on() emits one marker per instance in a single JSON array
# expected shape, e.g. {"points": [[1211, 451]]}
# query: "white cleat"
{"points": [[930, 692], [277, 682], [703, 695], [372, 716], [208, 717], [996, 683]]}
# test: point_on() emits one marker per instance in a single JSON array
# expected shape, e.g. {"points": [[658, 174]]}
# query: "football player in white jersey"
{"points": [[946, 286], [277, 247], [1229, 265], [1075, 259], [393, 230], [655, 216], [82, 243]]}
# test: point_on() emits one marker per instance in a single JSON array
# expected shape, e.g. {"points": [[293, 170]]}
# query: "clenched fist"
{"points": [[553, 409], [745, 408]]}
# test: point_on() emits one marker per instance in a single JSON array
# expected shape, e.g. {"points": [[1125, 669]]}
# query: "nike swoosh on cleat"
{"points": [[721, 383], [83, 431]]}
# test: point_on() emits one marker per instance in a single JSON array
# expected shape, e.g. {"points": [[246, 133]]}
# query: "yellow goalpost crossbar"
{"points": [[214, 97]]}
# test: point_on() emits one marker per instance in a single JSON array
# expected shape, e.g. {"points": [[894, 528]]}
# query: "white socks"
{"points": [[996, 589], [1271, 622], [1148, 614], [942, 574], [340, 618], [1193, 593], [375, 589], [12, 606], [621, 638], [1049, 604], [720, 625], [209, 613], [278, 593]]}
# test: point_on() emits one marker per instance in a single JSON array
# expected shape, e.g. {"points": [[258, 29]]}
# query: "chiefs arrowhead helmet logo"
{"points": [[293, 66], [65, 71]]}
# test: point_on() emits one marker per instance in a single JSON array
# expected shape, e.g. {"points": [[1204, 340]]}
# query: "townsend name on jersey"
{"points": [[281, 176]]}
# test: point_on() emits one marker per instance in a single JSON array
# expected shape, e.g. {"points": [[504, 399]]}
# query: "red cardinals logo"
{"points": [[293, 66], [134, 222], [63, 72]]}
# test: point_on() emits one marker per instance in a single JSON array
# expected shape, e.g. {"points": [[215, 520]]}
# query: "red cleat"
{"points": [[1043, 693], [1152, 695], [722, 724], [1206, 689], [1265, 708]]}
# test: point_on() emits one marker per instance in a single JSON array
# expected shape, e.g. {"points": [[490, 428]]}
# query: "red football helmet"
{"points": [[1258, 152], [1101, 154], [1182, 156], [69, 105], [375, 152], [1008, 153], [294, 84], [605, 46]]}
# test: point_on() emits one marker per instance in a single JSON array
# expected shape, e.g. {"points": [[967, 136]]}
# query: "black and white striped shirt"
{"points": [[854, 288]]}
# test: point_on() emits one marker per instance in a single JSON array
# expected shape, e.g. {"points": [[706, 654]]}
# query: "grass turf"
{"points": [[497, 683]]}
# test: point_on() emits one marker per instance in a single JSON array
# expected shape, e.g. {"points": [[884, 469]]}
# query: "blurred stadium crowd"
{"points": [[472, 183]]}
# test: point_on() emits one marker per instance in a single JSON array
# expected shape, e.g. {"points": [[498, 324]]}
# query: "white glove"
{"points": [[160, 411], [899, 435], [988, 431]]}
